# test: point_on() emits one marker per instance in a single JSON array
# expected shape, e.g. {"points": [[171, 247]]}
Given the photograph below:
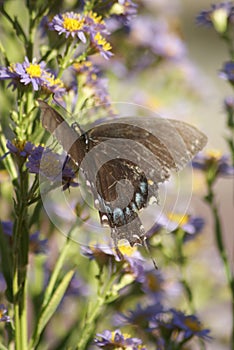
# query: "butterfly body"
{"points": [[124, 161]]}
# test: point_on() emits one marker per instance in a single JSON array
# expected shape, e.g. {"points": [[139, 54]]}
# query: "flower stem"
{"points": [[210, 198], [93, 313], [20, 260]]}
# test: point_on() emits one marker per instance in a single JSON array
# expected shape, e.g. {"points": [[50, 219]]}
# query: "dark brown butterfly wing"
{"points": [[124, 161]]}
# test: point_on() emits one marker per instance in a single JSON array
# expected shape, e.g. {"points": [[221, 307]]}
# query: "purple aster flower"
{"points": [[9, 73], [218, 16], [157, 37], [51, 166], [227, 71], [220, 164], [34, 73], [70, 24], [94, 23], [31, 73], [114, 340], [190, 224], [188, 324], [101, 45], [229, 105], [102, 255], [37, 245], [3, 314], [93, 80], [229, 108], [7, 227], [139, 317], [176, 327], [132, 260], [20, 148], [53, 85], [124, 10], [152, 284]]}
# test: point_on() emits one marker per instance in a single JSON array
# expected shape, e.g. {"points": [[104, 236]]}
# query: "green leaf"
{"points": [[50, 308]]}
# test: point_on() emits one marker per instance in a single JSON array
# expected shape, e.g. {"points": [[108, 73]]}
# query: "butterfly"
{"points": [[124, 160]]}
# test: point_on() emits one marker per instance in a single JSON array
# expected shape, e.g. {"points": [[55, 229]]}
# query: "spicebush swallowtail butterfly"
{"points": [[123, 161]]}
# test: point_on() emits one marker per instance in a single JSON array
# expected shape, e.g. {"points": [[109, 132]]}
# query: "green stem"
{"points": [[221, 248], [93, 313], [182, 263], [20, 260], [229, 43]]}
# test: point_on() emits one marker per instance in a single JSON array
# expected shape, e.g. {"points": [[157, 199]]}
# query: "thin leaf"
{"points": [[56, 271], [51, 307]]}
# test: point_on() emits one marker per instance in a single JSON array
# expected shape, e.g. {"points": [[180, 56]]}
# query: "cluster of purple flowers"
{"points": [[118, 340], [214, 160], [83, 26], [3, 314], [94, 81], [219, 16], [168, 328], [190, 224], [43, 161]]}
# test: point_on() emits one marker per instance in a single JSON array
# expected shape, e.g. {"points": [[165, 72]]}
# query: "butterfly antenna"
{"points": [[149, 253]]}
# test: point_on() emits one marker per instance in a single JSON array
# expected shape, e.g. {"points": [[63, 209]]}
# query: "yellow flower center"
{"points": [[178, 218], [95, 17], [19, 144], [127, 250], [12, 67], [54, 81], [215, 154], [94, 76], [153, 283], [102, 42], [73, 24], [192, 324], [34, 70]]}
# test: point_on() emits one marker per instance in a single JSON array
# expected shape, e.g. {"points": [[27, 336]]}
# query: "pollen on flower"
{"points": [[54, 81], [2, 312], [34, 70], [72, 24], [215, 154], [19, 144], [178, 218], [113, 334], [94, 76], [102, 42], [192, 324], [127, 250], [95, 17], [12, 67], [153, 283]]}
